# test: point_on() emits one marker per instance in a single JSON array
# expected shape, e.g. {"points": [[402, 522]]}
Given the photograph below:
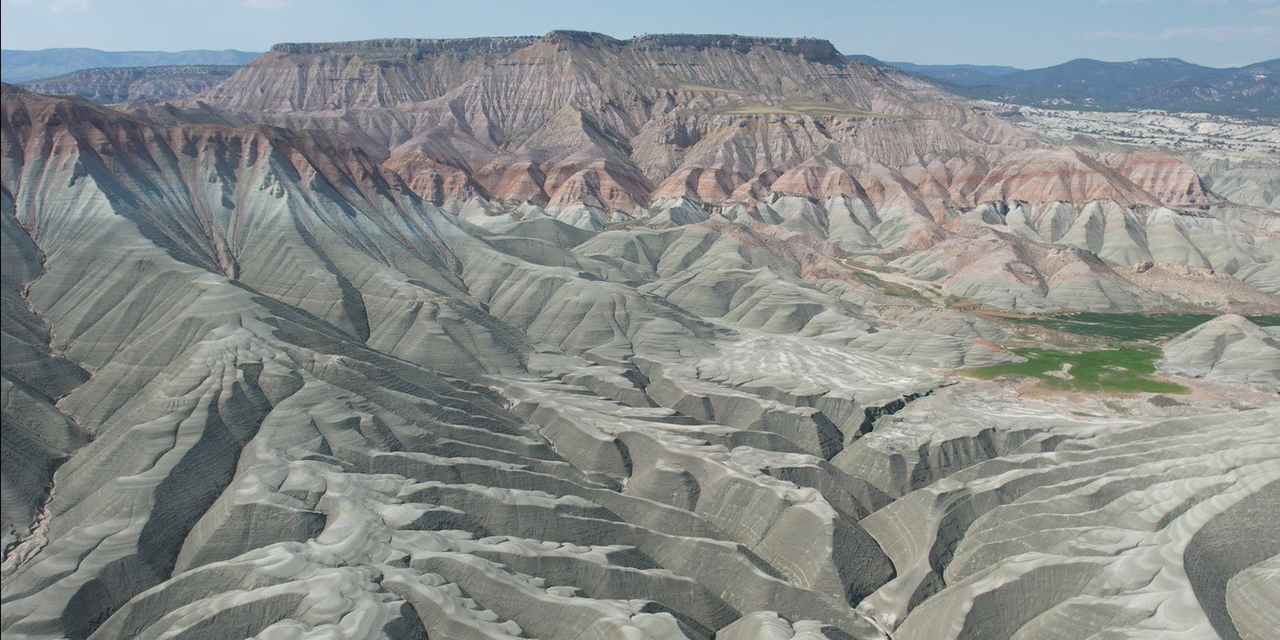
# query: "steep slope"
{"points": [[1017, 521], [667, 130], [264, 385], [1227, 348], [575, 118], [272, 301], [1237, 159], [37, 436]]}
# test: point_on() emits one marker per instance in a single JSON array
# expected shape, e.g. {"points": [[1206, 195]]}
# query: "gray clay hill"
{"points": [[577, 338]]}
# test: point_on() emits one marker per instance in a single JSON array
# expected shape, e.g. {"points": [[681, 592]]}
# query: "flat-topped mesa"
{"points": [[812, 49], [698, 116], [396, 46]]}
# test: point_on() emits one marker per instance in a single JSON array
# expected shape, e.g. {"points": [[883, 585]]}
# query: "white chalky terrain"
{"points": [[258, 383], [1229, 348]]}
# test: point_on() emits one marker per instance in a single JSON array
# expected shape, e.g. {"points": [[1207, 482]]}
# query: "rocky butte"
{"points": [[681, 336]]}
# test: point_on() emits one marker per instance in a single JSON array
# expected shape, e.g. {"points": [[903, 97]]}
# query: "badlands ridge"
{"points": [[575, 337]]}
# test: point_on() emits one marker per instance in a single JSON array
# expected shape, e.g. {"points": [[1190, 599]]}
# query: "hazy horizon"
{"points": [[1038, 33]]}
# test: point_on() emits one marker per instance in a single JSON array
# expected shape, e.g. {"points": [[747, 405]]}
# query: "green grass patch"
{"points": [[1130, 326], [1114, 371]]}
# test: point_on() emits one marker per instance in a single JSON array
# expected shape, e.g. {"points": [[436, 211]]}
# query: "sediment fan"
{"points": [[574, 337]]}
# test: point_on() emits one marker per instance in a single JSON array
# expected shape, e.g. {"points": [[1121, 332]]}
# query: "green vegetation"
{"points": [[1130, 368], [685, 86], [1129, 326], [893, 289], [1115, 371], [625, 224], [1165, 401], [802, 107]]}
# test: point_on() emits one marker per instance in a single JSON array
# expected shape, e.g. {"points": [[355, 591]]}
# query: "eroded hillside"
{"points": [[571, 337]]}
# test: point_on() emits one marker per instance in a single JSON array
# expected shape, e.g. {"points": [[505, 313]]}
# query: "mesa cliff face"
{"points": [[343, 348], [575, 118]]}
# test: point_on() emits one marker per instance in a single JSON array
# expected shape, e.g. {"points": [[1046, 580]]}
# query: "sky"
{"points": [[1026, 33]]}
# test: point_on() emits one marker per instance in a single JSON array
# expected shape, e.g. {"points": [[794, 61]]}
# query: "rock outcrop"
{"points": [[1228, 348], [668, 130], [586, 118], [470, 339]]}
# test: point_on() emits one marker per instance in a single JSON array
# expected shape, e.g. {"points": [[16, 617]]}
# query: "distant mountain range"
{"points": [[20, 66], [960, 74], [1153, 83], [111, 85]]}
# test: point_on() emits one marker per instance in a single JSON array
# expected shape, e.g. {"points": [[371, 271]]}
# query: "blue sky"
{"points": [[1026, 33]]}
